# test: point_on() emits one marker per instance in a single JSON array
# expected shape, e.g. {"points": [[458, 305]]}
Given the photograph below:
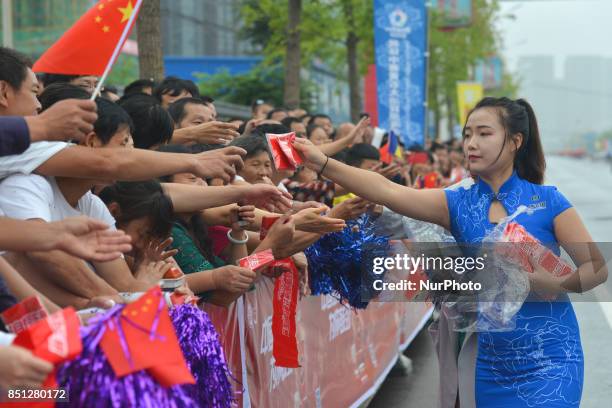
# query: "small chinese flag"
{"points": [[143, 337], [88, 46]]}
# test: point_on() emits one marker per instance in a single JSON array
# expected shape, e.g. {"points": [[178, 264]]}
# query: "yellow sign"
{"points": [[468, 94]]}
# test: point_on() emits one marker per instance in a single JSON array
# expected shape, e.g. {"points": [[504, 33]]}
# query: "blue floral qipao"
{"points": [[540, 362]]}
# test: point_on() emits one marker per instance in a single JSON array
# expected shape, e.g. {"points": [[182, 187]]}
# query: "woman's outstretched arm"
{"points": [[426, 205]]}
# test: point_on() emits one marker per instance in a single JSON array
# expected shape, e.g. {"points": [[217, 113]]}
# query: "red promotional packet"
{"points": [[24, 314], [284, 346], [266, 224], [533, 249], [528, 248], [283, 153], [257, 260], [55, 339]]}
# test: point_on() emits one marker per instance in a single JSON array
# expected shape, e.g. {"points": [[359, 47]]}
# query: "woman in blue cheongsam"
{"points": [[540, 362]]}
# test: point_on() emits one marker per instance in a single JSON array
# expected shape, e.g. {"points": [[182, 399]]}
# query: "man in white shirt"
{"points": [[49, 199]]}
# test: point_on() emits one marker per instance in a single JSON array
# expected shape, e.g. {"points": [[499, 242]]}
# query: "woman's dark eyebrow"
{"points": [[483, 126]]}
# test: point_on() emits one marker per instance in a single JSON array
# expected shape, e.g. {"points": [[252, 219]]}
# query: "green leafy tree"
{"points": [[453, 54], [263, 82], [338, 32]]}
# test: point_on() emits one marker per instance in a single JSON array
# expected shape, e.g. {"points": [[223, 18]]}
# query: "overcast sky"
{"points": [[556, 27]]}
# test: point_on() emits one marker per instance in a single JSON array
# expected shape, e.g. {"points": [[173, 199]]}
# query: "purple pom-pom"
{"points": [[200, 344], [91, 382]]}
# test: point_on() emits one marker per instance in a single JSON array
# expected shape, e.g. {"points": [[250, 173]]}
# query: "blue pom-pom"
{"points": [[340, 263]]}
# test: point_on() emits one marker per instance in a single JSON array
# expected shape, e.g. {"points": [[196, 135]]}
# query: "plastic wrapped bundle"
{"points": [[505, 286]]}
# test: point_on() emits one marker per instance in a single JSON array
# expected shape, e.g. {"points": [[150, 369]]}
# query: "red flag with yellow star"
{"points": [[143, 337], [88, 46]]}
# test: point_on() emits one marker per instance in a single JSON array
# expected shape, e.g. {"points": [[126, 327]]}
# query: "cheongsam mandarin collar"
{"points": [[504, 191]]}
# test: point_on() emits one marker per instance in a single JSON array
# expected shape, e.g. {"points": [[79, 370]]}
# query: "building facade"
{"points": [[205, 30]]}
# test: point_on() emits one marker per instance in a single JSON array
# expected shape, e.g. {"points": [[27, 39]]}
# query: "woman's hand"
{"points": [[20, 369], [301, 263], [104, 302], [184, 290], [543, 283], [156, 250], [313, 158], [312, 220], [302, 205], [234, 279]]}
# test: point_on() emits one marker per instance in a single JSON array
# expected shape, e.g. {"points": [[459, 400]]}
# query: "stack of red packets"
{"points": [[530, 248], [528, 251]]}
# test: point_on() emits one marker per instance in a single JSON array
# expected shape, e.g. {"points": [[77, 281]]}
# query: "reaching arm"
{"points": [[139, 164], [79, 236], [426, 205], [71, 273], [206, 133], [186, 198], [118, 275], [337, 145]]}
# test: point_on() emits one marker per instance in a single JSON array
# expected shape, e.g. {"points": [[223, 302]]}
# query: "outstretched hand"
{"points": [[90, 239], [313, 220], [266, 197]]}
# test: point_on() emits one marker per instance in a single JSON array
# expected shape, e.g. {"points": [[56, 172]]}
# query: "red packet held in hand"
{"points": [[266, 224], [24, 314], [257, 260], [284, 154], [55, 339]]}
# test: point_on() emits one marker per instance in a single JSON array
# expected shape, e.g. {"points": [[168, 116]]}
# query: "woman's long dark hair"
{"points": [[141, 199], [517, 116]]}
